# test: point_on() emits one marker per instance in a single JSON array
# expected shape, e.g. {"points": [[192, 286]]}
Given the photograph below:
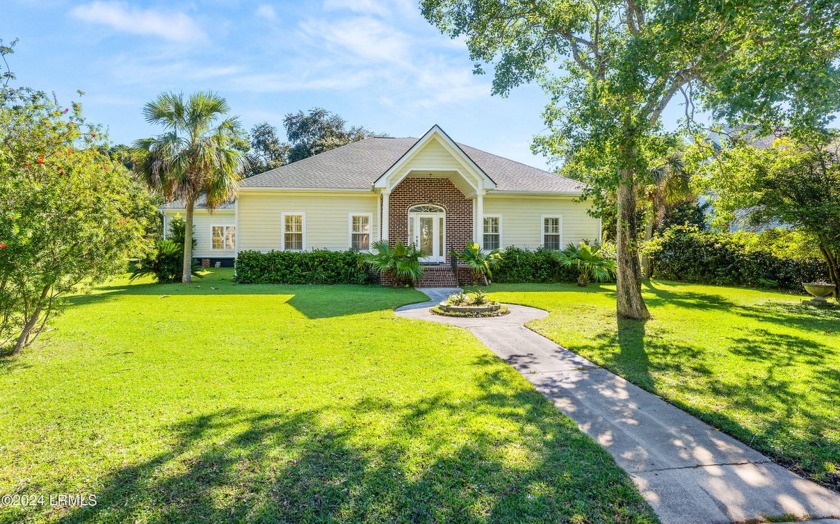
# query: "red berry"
{"points": [[66, 109], [93, 135], [41, 158], [2, 245]]}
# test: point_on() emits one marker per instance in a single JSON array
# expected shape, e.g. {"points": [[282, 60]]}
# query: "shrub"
{"points": [[165, 263], [689, 255], [401, 262], [319, 266], [525, 266], [479, 298], [458, 299], [589, 261], [479, 262], [69, 215]]}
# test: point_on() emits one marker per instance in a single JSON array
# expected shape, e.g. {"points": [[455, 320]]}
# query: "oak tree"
{"points": [[610, 68]]}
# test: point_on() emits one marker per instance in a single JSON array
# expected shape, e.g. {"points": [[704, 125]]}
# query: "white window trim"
{"points": [[440, 213], [283, 216], [235, 233], [350, 229], [501, 238], [542, 229]]}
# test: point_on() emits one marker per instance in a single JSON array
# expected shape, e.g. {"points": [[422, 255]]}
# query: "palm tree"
{"points": [[481, 263], [196, 156], [400, 261], [589, 261], [670, 185]]}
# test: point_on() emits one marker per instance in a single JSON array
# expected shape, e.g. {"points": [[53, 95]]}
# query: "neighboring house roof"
{"points": [[358, 165]]}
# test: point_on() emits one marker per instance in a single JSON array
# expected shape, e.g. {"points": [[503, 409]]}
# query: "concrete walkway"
{"points": [[688, 471]]}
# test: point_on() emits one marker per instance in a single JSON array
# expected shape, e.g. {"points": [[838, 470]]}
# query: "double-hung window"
{"points": [[292, 232], [224, 237], [492, 233], [552, 232], [360, 232]]}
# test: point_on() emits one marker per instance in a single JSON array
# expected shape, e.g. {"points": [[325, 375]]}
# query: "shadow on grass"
{"points": [[10, 362], [686, 299], [627, 351], [776, 375], [314, 301], [253, 466]]}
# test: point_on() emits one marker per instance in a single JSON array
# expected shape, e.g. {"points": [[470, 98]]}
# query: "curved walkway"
{"points": [[688, 471]]}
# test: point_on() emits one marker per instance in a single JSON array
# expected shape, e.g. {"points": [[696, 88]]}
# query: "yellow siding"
{"points": [[433, 157], [202, 224], [326, 222], [522, 219]]}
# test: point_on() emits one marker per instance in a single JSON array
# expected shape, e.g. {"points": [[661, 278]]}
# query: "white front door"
{"points": [[428, 236]]}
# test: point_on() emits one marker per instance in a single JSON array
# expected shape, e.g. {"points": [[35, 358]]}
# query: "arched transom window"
{"points": [[426, 208]]}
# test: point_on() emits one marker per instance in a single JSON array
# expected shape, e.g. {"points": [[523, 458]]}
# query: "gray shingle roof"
{"points": [[359, 164], [200, 204]]}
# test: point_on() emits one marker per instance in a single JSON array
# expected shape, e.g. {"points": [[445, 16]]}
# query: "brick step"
{"points": [[438, 276]]}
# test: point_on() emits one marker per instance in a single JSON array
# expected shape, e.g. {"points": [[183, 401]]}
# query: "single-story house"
{"points": [[432, 192]]}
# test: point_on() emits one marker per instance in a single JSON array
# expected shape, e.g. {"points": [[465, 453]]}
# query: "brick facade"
{"points": [[439, 191]]}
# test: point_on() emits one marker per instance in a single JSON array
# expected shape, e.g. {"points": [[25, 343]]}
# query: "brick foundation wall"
{"points": [[439, 191]]}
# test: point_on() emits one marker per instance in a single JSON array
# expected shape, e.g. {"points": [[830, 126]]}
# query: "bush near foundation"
{"points": [[319, 266]]}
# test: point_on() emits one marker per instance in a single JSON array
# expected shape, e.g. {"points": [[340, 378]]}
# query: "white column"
{"points": [[385, 208], [479, 211]]}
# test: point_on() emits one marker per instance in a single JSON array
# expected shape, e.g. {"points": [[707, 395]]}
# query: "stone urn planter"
{"points": [[819, 290]]}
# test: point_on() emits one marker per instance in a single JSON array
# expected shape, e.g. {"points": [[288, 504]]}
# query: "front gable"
{"points": [[436, 155]]}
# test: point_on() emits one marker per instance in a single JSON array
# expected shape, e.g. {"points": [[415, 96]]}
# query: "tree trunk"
{"points": [[833, 269], [647, 261], [23, 339], [629, 302], [188, 233]]}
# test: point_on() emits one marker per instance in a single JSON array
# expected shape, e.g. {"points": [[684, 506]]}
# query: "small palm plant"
{"points": [[401, 261], [480, 262], [589, 261]]}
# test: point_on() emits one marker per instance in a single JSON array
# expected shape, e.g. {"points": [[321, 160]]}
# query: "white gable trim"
{"points": [[470, 171]]}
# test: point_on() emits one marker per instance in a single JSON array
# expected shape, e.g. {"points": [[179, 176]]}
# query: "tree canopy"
{"points": [[317, 131], [267, 150], [610, 68], [794, 183]]}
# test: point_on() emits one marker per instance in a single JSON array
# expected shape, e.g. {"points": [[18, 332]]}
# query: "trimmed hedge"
{"points": [[687, 255], [524, 266], [319, 266]]}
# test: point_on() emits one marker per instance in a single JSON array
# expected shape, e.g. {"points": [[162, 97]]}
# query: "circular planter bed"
{"points": [[484, 310]]}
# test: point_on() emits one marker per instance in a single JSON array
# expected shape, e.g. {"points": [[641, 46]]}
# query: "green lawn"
{"points": [[755, 364], [220, 402]]}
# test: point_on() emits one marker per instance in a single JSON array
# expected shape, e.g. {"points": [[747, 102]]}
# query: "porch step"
{"points": [[437, 276]]}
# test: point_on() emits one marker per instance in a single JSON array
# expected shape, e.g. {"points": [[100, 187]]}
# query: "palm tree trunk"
{"points": [[629, 301], [186, 277]]}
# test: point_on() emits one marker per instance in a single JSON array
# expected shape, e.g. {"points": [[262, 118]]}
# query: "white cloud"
{"points": [[400, 67], [374, 7], [172, 26], [268, 83], [132, 70], [266, 12], [362, 37]]}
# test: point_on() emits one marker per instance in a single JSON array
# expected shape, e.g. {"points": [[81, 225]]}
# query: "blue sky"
{"points": [[377, 63]]}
